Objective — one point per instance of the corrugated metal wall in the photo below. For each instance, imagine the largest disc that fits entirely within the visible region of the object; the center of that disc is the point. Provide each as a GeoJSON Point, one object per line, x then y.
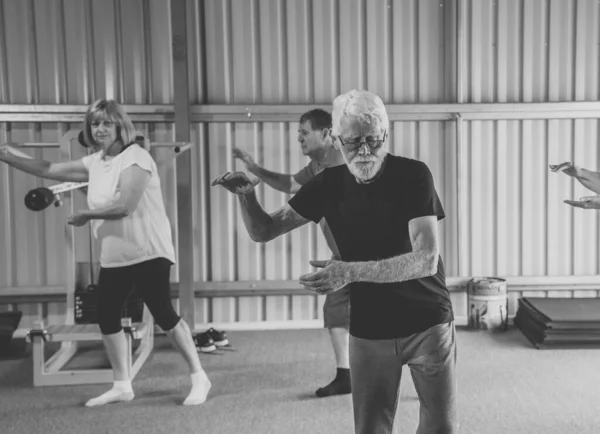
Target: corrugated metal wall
{"type": "Point", "coordinates": [531, 50]}
{"type": "Point", "coordinates": [519, 225]}
{"type": "Point", "coordinates": [306, 52]}
{"type": "Point", "coordinates": [300, 51]}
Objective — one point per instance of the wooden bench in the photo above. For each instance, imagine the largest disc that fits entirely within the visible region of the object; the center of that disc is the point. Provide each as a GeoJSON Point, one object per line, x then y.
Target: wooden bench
{"type": "Point", "coordinates": [50, 373]}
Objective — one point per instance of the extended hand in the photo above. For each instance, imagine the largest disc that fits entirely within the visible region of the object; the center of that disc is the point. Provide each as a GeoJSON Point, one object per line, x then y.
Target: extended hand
{"type": "Point", "coordinates": [77, 219]}
{"type": "Point", "coordinates": [334, 275]}
{"type": "Point", "coordinates": [4, 152]}
{"type": "Point", "coordinates": [240, 154]}
{"type": "Point", "coordinates": [569, 168]}
{"type": "Point", "coordinates": [589, 202]}
{"type": "Point", "coordinates": [235, 182]}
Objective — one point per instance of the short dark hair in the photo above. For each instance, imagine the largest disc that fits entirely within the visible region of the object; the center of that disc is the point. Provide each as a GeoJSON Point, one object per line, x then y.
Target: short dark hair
{"type": "Point", "coordinates": [319, 119]}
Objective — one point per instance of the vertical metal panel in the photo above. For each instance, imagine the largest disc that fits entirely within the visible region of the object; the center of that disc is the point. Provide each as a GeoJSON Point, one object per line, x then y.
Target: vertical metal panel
{"type": "Point", "coordinates": [218, 52]}
{"type": "Point", "coordinates": [310, 51]}
{"type": "Point", "coordinates": [532, 50]}
{"type": "Point", "coordinates": [79, 56]}
{"type": "Point", "coordinates": [303, 307]}
{"type": "Point", "coordinates": [250, 309]}
{"type": "Point", "coordinates": [378, 46]}
{"type": "Point", "coordinates": [284, 51]}
{"type": "Point", "coordinates": [534, 222]}
{"type": "Point", "coordinates": [274, 153]}
{"type": "Point", "coordinates": [481, 33]}
{"type": "Point", "coordinates": [508, 167]}
{"type": "Point", "coordinates": [481, 195]}
{"type": "Point", "coordinates": [587, 55]}
{"type": "Point", "coordinates": [585, 252]}
{"type": "Point", "coordinates": [160, 70]}
{"type": "Point", "coordinates": [508, 50]}
{"type": "Point", "coordinates": [298, 34]}
{"type": "Point", "coordinates": [325, 52]}
{"type": "Point", "coordinates": [352, 50]}
{"type": "Point", "coordinates": [405, 59]}
{"type": "Point", "coordinates": [20, 52]}
{"type": "Point", "coordinates": [4, 86]}
{"type": "Point", "coordinates": [132, 51]}
{"type": "Point", "coordinates": [74, 51]}
{"type": "Point", "coordinates": [246, 52]}
{"type": "Point", "coordinates": [559, 254]}
{"type": "Point", "coordinates": [431, 54]}
{"type": "Point", "coordinates": [273, 51]}
{"type": "Point", "coordinates": [432, 143]}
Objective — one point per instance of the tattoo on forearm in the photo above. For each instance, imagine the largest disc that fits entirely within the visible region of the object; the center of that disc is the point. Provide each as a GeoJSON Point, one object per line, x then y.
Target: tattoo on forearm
{"type": "Point", "coordinates": [263, 227]}
{"type": "Point", "coordinates": [413, 265]}
{"type": "Point", "coordinates": [255, 218]}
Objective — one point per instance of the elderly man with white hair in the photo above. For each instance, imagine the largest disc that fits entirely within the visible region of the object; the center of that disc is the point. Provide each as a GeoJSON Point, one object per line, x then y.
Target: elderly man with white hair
{"type": "Point", "coordinates": [383, 211]}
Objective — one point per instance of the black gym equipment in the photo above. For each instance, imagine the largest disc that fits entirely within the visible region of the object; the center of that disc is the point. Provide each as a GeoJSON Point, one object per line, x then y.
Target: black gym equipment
{"type": "Point", "coordinates": [560, 322]}
{"type": "Point", "coordinates": [9, 322]}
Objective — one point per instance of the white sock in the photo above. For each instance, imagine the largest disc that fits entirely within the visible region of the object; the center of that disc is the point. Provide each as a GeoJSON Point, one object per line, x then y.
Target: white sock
{"type": "Point", "coordinates": [121, 391]}
{"type": "Point", "coordinates": [200, 387]}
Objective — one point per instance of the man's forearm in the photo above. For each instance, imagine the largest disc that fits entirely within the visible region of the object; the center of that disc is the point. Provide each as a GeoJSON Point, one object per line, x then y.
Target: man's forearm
{"type": "Point", "coordinates": [414, 265]}
{"type": "Point", "coordinates": [256, 220]}
{"type": "Point", "coordinates": [590, 180]}
{"type": "Point", "coordinates": [278, 181]}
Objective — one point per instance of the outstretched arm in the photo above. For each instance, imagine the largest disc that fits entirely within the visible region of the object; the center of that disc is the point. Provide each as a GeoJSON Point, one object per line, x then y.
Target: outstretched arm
{"type": "Point", "coordinates": [589, 179]}
{"type": "Point", "coordinates": [262, 227]}
{"type": "Point", "coordinates": [279, 181]}
{"type": "Point", "coordinates": [73, 171]}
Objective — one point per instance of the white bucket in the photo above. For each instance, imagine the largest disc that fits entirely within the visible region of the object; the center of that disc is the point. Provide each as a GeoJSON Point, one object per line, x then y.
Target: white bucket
{"type": "Point", "coordinates": [488, 303]}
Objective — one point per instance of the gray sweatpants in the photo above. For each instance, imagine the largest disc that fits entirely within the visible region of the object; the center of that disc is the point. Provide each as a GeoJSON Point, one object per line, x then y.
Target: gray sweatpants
{"type": "Point", "coordinates": [376, 368]}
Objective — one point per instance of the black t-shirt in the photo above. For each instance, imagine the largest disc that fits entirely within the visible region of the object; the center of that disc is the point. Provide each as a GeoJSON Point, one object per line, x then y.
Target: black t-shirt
{"type": "Point", "coordinates": [369, 222]}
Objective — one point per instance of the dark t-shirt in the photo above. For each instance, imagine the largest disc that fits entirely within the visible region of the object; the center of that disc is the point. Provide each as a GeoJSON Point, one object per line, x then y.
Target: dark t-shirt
{"type": "Point", "coordinates": [369, 222]}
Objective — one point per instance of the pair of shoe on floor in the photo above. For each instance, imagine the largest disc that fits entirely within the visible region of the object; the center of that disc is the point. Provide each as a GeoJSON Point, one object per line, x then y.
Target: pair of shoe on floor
{"type": "Point", "coordinates": [209, 340]}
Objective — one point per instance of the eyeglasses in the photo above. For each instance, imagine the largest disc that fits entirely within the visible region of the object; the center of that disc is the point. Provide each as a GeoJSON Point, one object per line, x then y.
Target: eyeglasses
{"type": "Point", "coordinates": [357, 144]}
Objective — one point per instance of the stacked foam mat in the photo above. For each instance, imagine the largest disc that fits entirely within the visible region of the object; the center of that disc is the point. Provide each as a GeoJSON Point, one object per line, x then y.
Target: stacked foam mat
{"type": "Point", "coordinates": [560, 322]}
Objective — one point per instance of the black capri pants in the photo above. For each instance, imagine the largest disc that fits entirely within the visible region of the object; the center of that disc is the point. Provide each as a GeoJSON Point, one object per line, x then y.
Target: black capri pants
{"type": "Point", "coordinates": [152, 281]}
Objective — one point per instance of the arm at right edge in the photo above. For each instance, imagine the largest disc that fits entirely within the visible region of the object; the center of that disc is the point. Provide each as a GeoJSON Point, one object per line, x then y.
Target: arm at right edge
{"type": "Point", "coordinates": [590, 180]}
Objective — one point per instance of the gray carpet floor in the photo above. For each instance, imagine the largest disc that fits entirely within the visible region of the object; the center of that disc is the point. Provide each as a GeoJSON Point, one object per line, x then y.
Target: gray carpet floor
{"type": "Point", "coordinates": [266, 386]}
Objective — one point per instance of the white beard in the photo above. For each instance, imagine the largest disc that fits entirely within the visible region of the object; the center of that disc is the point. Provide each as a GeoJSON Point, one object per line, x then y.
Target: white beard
{"type": "Point", "coordinates": [364, 172]}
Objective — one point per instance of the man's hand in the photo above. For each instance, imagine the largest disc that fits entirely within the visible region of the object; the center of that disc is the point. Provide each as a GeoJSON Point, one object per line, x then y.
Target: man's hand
{"type": "Point", "coordinates": [334, 275]}
{"type": "Point", "coordinates": [589, 202]}
{"type": "Point", "coordinates": [235, 182]}
{"type": "Point", "coordinates": [244, 156]}
{"type": "Point", "coordinates": [569, 168]}
{"type": "Point", "coordinates": [78, 219]}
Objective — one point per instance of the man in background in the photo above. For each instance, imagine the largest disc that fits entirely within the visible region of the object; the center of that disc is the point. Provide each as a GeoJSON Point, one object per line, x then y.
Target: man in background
{"type": "Point", "coordinates": [314, 136]}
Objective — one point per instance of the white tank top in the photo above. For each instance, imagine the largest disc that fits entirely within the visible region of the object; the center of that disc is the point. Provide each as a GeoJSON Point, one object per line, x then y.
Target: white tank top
{"type": "Point", "coordinates": [143, 235]}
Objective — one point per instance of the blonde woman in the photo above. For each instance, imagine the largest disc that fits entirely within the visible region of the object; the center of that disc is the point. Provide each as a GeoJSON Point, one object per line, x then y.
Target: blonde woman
{"type": "Point", "coordinates": [128, 219]}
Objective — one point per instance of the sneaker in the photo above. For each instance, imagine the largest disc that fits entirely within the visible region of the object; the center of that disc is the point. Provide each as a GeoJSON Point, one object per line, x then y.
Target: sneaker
{"type": "Point", "coordinates": [204, 343]}
{"type": "Point", "coordinates": [219, 338]}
